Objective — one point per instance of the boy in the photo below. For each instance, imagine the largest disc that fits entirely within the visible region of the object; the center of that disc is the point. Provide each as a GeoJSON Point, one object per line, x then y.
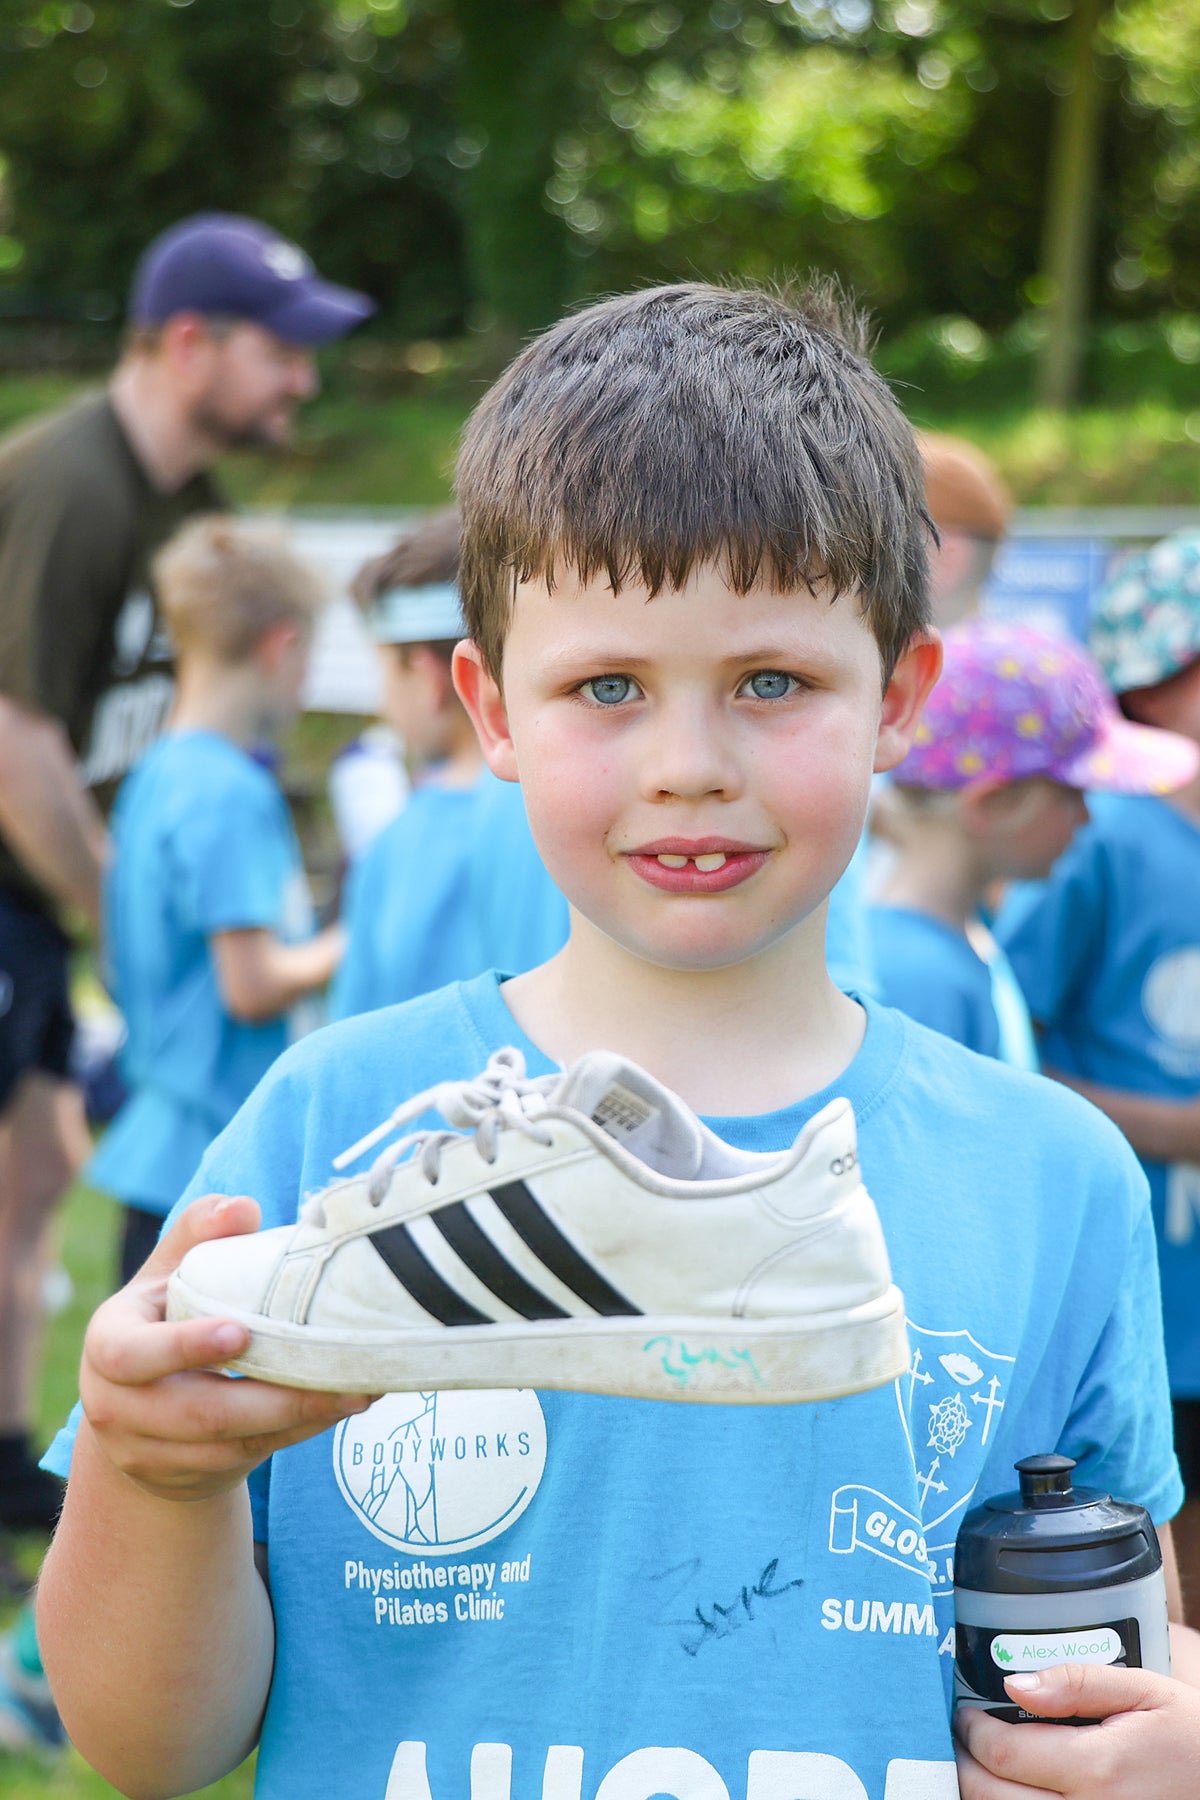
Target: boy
{"type": "Point", "coordinates": [693, 576]}
{"type": "Point", "coordinates": [454, 885]}
{"type": "Point", "coordinates": [208, 925]}
{"type": "Point", "coordinates": [1017, 727]}
{"type": "Point", "coordinates": [1108, 952]}
{"type": "Point", "coordinates": [971, 509]}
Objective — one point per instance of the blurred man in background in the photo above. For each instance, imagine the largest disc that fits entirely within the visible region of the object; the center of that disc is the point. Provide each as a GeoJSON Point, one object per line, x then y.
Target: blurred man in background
{"type": "Point", "coordinates": [224, 316]}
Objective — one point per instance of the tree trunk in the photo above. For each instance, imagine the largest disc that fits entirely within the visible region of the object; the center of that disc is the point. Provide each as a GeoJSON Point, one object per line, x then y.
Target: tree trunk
{"type": "Point", "coordinates": [516, 94]}
{"type": "Point", "coordinates": [1069, 229]}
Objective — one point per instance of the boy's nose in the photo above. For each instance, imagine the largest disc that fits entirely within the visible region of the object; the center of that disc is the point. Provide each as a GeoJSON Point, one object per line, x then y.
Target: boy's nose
{"type": "Point", "coordinates": [690, 757]}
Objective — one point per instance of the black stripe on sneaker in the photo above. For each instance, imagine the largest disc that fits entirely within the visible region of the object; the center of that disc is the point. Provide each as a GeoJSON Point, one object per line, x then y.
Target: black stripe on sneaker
{"type": "Point", "coordinates": [560, 1256]}
{"type": "Point", "coordinates": [404, 1257]}
{"type": "Point", "coordinates": [475, 1248]}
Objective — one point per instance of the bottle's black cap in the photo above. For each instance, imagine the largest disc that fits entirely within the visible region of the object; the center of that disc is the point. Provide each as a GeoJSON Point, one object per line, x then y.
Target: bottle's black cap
{"type": "Point", "coordinates": [1052, 1537]}
{"type": "Point", "coordinates": [1046, 1480]}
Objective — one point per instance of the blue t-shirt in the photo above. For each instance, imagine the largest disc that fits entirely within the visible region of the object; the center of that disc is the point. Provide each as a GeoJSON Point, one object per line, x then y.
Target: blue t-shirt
{"type": "Point", "coordinates": [451, 887]}
{"type": "Point", "coordinates": [929, 970]}
{"type": "Point", "coordinates": [617, 1598]}
{"type": "Point", "coordinates": [1108, 953]}
{"type": "Point", "coordinates": [202, 843]}
{"type": "Point", "coordinates": [957, 982]}
{"type": "Point", "coordinates": [849, 953]}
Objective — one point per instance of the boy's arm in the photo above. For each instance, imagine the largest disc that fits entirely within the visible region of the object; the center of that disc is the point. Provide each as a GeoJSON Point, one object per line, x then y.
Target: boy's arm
{"type": "Point", "coordinates": [260, 976]}
{"type": "Point", "coordinates": [154, 1627]}
{"type": "Point", "coordinates": [1165, 1131]}
{"type": "Point", "coordinates": [1146, 1745]}
{"type": "Point", "coordinates": [46, 813]}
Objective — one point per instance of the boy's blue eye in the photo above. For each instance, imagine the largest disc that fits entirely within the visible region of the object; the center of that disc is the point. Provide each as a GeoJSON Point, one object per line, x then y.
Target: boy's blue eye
{"type": "Point", "coordinates": [770, 684]}
{"type": "Point", "coordinates": [609, 690]}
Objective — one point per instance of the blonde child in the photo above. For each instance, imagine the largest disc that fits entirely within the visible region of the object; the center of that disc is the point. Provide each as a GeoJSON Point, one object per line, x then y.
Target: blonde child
{"type": "Point", "coordinates": [208, 926]}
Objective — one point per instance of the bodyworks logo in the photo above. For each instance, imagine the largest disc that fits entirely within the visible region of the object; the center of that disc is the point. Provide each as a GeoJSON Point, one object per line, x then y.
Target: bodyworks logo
{"type": "Point", "coordinates": [437, 1474]}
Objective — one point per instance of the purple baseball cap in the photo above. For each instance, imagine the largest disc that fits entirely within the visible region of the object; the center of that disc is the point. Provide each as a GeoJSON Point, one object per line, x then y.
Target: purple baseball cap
{"type": "Point", "coordinates": [224, 263]}
{"type": "Point", "coordinates": [1013, 702]}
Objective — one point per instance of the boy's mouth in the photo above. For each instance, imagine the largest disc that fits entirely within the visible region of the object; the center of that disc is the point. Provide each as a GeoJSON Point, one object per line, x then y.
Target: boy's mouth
{"type": "Point", "coordinates": [700, 868]}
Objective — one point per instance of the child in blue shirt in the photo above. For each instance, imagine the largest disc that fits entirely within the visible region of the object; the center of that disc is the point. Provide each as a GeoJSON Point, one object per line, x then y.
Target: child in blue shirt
{"type": "Point", "coordinates": [454, 885]}
{"type": "Point", "coordinates": [1017, 727]}
{"type": "Point", "coordinates": [694, 583]}
{"type": "Point", "coordinates": [1108, 954]}
{"type": "Point", "coordinates": [209, 936]}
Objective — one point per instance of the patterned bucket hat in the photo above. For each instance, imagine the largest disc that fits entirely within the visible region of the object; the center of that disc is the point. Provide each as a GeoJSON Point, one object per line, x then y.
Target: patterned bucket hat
{"type": "Point", "coordinates": [1146, 623]}
{"type": "Point", "coordinates": [1013, 702]}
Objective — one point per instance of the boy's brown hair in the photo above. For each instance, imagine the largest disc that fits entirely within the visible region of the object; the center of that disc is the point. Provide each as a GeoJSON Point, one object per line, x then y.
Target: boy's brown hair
{"type": "Point", "coordinates": [223, 585]}
{"type": "Point", "coordinates": [420, 557]}
{"type": "Point", "coordinates": [681, 425]}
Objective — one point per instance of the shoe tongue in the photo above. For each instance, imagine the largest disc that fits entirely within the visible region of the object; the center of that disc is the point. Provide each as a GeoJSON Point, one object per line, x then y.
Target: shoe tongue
{"type": "Point", "coordinates": [650, 1122]}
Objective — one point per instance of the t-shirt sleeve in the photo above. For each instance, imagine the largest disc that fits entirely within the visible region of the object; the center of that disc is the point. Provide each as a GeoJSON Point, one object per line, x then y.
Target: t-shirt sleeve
{"type": "Point", "coordinates": [61, 563]}
{"type": "Point", "coordinates": [231, 859]}
{"type": "Point", "coordinates": [1052, 931]}
{"type": "Point", "coordinates": [1120, 1427]}
{"type": "Point", "coordinates": [260, 1153]}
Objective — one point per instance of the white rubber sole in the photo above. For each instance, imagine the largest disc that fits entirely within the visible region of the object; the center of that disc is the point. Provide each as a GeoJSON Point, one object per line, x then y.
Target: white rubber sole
{"type": "Point", "coordinates": [739, 1361]}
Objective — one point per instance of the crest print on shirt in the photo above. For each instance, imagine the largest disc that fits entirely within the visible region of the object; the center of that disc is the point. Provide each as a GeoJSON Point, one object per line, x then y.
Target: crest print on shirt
{"type": "Point", "coordinates": [949, 1400]}
{"type": "Point", "coordinates": [436, 1474]}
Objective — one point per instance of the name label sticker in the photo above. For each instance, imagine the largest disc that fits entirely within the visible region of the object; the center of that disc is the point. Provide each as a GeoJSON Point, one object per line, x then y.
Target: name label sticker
{"type": "Point", "coordinates": [1020, 1653]}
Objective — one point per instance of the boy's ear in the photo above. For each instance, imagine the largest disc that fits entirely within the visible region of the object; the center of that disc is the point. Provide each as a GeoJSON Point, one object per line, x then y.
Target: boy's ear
{"type": "Point", "coordinates": [480, 693]}
{"type": "Point", "coordinates": [904, 698]}
{"type": "Point", "coordinates": [275, 643]}
{"type": "Point", "coordinates": [983, 804]}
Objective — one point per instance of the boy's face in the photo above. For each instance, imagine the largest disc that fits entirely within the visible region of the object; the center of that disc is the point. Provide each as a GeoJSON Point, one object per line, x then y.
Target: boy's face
{"type": "Point", "coordinates": [1172, 705]}
{"type": "Point", "coordinates": [695, 767]}
{"type": "Point", "coordinates": [282, 658]}
{"type": "Point", "coordinates": [417, 694]}
{"type": "Point", "coordinates": [1029, 824]}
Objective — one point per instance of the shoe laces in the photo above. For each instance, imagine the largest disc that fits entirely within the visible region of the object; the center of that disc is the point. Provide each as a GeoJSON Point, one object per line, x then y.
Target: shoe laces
{"type": "Point", "coordinates": [502, 1098]}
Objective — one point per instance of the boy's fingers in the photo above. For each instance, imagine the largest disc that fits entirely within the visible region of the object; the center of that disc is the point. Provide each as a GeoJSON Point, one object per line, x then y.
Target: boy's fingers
{"type": "Point", "coordinates": [977, 1783]}
{"type": "Point", "coordinates": [126, 1354]}
{"type": "Point", "coordinates": [1013, 1762]}
{"type": "Point", "coordinates": [212, 1216]}
{"type": "Point", "coordinates": [201, 1408]}
{"type": "Point", "coordinates": [1089, 1691]}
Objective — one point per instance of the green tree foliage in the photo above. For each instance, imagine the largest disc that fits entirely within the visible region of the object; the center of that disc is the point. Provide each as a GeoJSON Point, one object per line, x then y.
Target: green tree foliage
{"type": "Point", "coordinates": [335, 123]}
{"type": "Point", "coordinates": [466, 159]}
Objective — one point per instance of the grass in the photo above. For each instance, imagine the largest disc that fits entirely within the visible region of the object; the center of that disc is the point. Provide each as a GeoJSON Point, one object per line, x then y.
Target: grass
{"type": "Point", "coordinates": [89, 1252]}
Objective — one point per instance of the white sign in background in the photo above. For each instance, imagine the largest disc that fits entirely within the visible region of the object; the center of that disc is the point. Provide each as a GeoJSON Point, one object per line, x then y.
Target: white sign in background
{"type": "Point", "coordinates": [343, 672]}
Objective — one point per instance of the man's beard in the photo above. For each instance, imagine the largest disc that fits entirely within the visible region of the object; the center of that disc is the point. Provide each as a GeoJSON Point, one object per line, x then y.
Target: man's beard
{"type": "Point", "coordinates": [239, 434]}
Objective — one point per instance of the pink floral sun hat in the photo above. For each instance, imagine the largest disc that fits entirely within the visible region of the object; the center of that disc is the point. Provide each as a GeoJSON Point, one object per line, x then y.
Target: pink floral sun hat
{"type": "Point", "coordinates": [1013, 702]}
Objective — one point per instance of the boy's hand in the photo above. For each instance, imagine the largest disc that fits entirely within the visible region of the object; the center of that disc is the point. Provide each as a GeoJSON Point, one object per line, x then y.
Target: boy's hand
{"type": "Point", "coordinates": [158, 1412]}
{"type": "Point", "coordinates": [1147, 1746]}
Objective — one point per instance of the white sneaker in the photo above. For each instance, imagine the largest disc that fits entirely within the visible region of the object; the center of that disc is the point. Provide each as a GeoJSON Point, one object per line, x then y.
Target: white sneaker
{"type": "Point", "coordinates": [589, 1232]}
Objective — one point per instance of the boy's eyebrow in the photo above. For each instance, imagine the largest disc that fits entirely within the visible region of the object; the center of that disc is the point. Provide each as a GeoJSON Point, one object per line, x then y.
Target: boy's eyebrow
{"type": "Point", "coordinates": [610, 656]}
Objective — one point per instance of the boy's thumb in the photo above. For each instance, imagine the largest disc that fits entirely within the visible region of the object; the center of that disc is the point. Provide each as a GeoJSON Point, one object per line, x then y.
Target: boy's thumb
{"type": "Point", "coordinates": [212, 1216]}
{"type": "Point", "coordinates": [1088, 1691]}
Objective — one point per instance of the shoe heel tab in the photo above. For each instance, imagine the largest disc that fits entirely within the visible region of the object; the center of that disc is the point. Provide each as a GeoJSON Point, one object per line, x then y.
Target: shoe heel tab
{"type": "Point", "coordinates": [836, 1129]}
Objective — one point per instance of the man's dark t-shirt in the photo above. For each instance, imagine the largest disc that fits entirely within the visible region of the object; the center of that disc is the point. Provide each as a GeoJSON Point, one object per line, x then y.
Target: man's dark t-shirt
{"type": "Point", "coordinates": [80, 636]}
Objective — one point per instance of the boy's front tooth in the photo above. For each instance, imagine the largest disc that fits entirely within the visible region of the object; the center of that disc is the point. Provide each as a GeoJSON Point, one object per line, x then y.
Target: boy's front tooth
{"type": "Point", "coordinates": [716, 860]}
{"type": "Point", "coordinates": [675, 862]}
